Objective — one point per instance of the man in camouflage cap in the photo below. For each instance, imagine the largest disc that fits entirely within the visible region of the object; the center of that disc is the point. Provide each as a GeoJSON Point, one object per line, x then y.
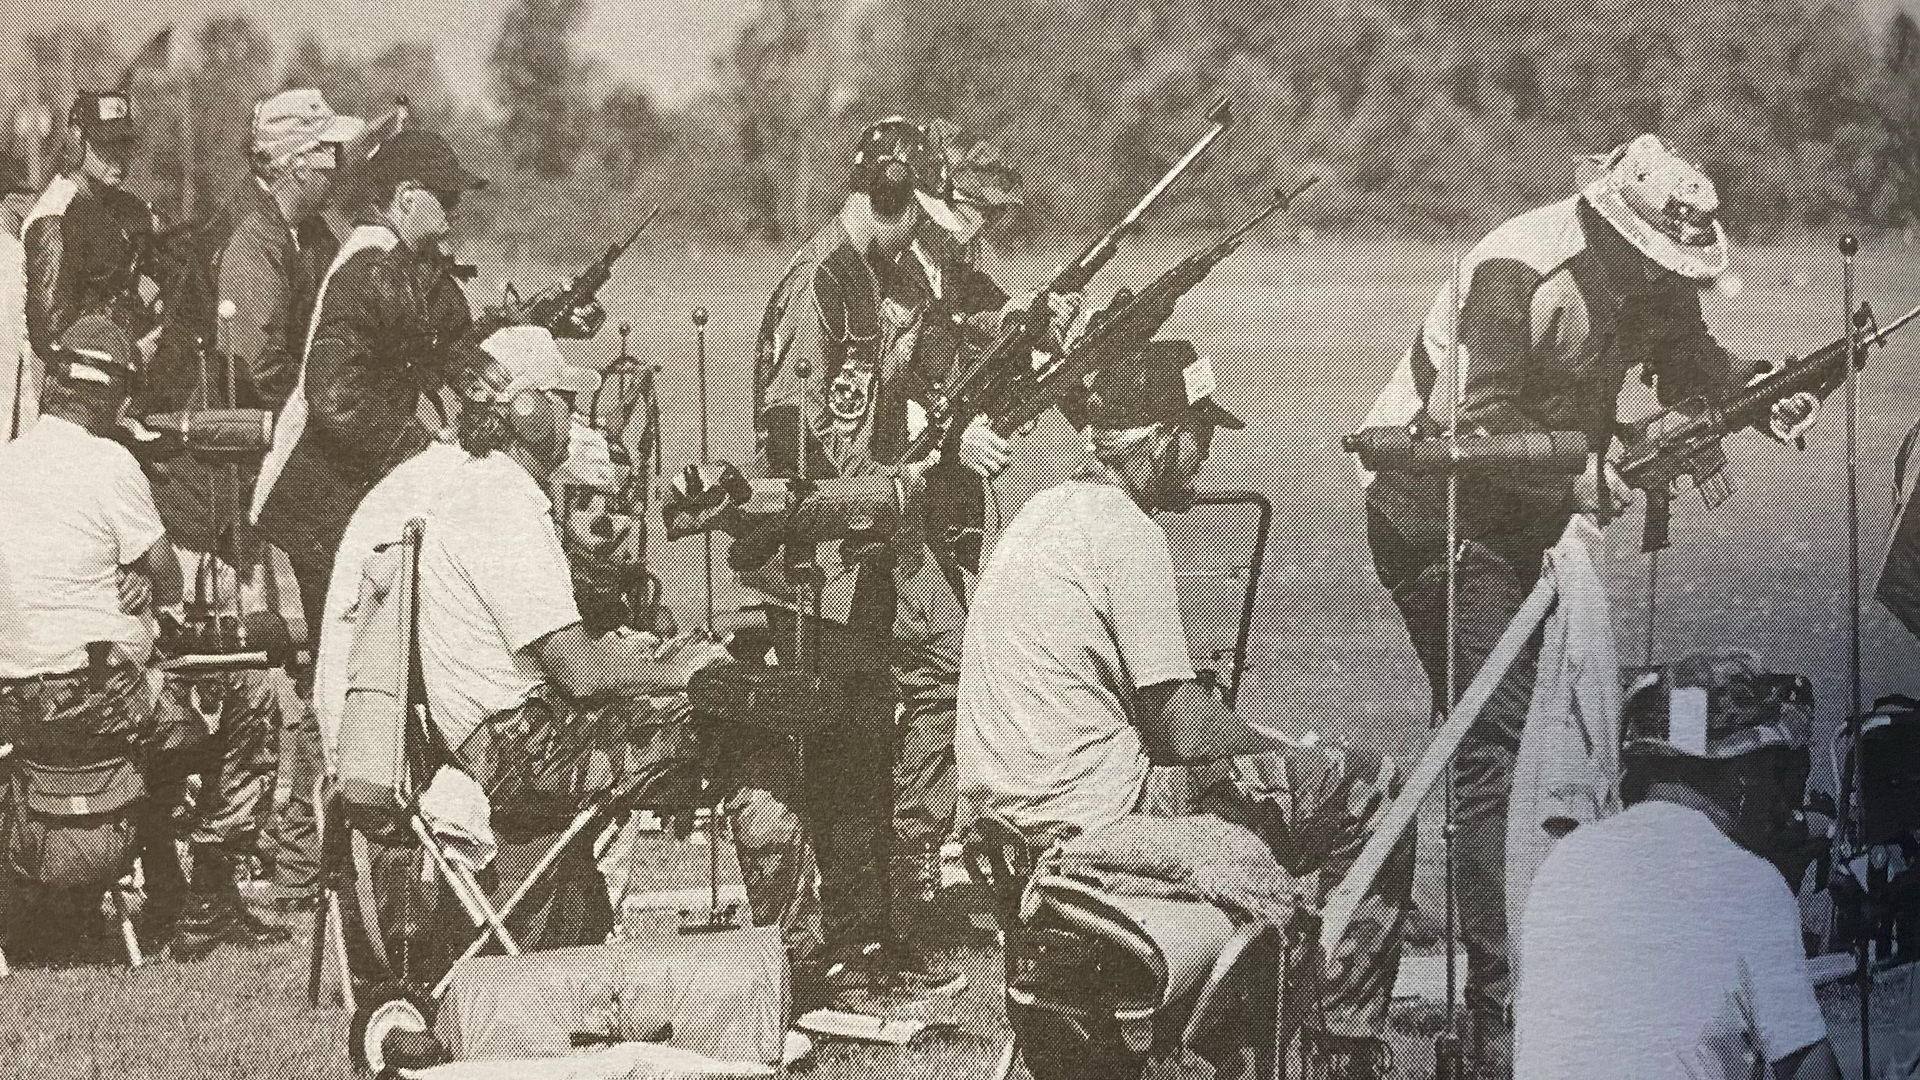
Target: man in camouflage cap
{"type": "Point", "coordinates": [1664, 941]}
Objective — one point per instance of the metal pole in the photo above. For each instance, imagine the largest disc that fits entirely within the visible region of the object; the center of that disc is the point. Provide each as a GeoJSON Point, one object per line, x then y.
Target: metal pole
{"type": "Point", "coordinates": [1448, 1064]}
{"type": "Point", "coordinates": [1851, 323]}
{"type": "Point", "coordinates": [700, 353]}
{"type": "Point", "coordinates": [1653, 603]}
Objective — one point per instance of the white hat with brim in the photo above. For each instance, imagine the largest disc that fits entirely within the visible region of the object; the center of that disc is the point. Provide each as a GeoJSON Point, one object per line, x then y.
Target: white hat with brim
{"type": "Point", "coordinates": [1665, 206]}
{"type": "Point", "coordinates": [295, 121]}
{"type": "Point", "coordinates": [531, 360]}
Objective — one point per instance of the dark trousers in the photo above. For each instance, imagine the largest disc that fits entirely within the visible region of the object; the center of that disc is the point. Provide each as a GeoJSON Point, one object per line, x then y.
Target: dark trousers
{"type": "Point", "coordinates": [294, 840]}
{"type": "Point", "coordinates": [811, 816]}
{"type": "Point", "coordinates": [1493, 579]}
{"type": "Point", "coordinates": [926, 675]}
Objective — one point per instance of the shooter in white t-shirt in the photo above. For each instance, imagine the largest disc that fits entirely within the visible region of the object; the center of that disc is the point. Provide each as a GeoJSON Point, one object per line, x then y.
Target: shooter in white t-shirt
{"type": "Point", "coordinates": [1661, 943]}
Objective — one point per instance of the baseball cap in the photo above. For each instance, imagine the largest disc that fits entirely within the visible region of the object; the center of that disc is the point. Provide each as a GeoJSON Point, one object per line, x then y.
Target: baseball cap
{"type": "Point", "coordinates": [520, 358]}
{"type": "Point", "coordinates": [1167, 380]}
{"type": "Point", "coordinates": [1664, 205]}
{"type": "Point", "coordinates": [418, 155]}
{"type": "Point", "coordinates": [96, 350]}
{"type": "Point", "coordinates": [295, 121]}
{"type": "Point", "coordinates": [898, 151]}
{"type": "Point", "coordinates": [1714, 706]}
{"type": "Point", "coordinates": [105, 116]}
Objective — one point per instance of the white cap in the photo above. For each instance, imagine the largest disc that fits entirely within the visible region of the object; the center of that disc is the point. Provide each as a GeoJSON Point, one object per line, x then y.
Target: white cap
{"type": "Point", "coordinates": [532, 360]}
{"type": "Point", "coordinates": [293, 122]}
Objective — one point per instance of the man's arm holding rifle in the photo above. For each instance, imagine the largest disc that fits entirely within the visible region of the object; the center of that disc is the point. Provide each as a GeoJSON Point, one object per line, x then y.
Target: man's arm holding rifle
{"type": "Point", "coordinates": [954, 407]}
{"type": "Point", "coordinates": [1684, 440]}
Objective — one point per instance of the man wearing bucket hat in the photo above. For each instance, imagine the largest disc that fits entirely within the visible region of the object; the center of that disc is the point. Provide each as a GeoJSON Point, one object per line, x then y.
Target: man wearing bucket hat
{"type": "Point", "coordinates": [1664, 941]}
{"type": "Point", "coordinates": [242, 282]}
{"type": "Point", "coordinates": [1553, 308]}
{"type": "Point", "coordinates": [844, 350]}
{"type": "Point", "coordinates": [1076, 680]}
{"type": "Point", "coordinates": [89, 241]}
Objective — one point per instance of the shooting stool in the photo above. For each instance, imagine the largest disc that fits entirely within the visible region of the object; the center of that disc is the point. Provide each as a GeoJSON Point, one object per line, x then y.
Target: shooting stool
{"type": "Point", "coordinates": [1174, 976]}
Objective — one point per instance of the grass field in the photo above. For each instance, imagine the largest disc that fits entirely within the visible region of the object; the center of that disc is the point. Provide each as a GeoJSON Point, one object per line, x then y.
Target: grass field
{"type": "Point", "coordinates": [1303, 337]}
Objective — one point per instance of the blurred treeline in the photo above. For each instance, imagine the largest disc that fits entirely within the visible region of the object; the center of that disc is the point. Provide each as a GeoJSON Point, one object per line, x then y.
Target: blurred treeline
{"type": "Point", "coordinates": [1423, 117]}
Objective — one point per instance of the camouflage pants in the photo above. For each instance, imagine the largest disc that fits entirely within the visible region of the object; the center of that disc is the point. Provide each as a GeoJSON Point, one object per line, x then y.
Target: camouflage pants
{"type": "Point", "coordinates": [1315, 806]}
{"type": "Point", "coordinates": [238, 763]}
{"type": "Point", "coordinates": [75, 719]}
{"type": "Point", "coordinates": [810, 815]}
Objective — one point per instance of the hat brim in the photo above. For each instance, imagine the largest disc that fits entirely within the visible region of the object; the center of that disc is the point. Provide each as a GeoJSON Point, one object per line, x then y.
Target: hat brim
{"type": "Point", "coordinates": [578, 381]}
{"type": "Point", "coordinates": [1702, 263]}
{"type": "Point", "coordinates": [109, 133]}
{"type": "Point", "coordinates": [1747, 740]}
{"type": "Point", "coordinates": [942, 214]}
{"type": "Point", "coordinates": [342, 129]}
{"type": "Point", "coordinates": [1216, 414]}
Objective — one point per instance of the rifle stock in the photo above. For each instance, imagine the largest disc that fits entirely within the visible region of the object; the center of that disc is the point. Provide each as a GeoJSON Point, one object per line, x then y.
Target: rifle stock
{"type": "Point", "coordinates": [1656, 456]}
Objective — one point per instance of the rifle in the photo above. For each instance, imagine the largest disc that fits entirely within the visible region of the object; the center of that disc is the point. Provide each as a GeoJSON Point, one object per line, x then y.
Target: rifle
{"type": "Point", "coordinates": [954, 405]}
{"type": "Point", "coordinates": [1684, 440]}
{"type": "Point", "coordinates": [1125, 325]}
{"type": "Point", "coordinates": [570, 309]}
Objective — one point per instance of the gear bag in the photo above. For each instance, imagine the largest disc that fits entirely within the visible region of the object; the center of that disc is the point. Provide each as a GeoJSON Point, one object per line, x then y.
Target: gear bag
{"type": "Point", "coordinates": [385, 734]}
{"type": "Point", "coordinates": [71, 827]}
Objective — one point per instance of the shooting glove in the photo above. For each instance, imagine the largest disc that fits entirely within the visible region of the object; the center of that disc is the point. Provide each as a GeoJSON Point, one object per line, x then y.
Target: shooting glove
{"type": "Point", "coordinates": [704, 498]}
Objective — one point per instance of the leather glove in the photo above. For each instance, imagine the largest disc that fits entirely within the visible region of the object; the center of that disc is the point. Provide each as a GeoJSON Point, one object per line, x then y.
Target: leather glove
{"type": "Point", "coordinates": [704, 498]}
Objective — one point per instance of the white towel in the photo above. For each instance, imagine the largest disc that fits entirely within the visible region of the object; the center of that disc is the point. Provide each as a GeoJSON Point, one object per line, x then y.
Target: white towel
{"type": "Point", "coordinates": [457, 812]}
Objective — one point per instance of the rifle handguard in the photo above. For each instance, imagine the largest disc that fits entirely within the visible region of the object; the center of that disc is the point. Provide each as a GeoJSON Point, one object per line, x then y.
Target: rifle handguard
{"type": "Point", "coordinates": [1398, 449]}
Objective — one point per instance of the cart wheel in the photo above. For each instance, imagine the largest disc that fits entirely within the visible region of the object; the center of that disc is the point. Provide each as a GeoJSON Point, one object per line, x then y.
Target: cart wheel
{"type": "Point", "coordinates": [383, 1012]}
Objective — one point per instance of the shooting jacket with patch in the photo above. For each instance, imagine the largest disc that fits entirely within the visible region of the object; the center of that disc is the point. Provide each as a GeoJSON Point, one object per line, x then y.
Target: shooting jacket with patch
{"type": "Point", "coordinates": [379, 331]}
{"type": "Point", "coordinates": [867, 329]}
{"type": "Point", "coordinates": [86, 253]}
{"type": "Point", "coordinates": [1549, 326]}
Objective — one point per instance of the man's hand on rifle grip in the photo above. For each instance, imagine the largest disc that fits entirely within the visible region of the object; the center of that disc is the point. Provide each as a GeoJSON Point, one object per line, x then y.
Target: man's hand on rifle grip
{"type": "Point", "coordinates": [983, 449]}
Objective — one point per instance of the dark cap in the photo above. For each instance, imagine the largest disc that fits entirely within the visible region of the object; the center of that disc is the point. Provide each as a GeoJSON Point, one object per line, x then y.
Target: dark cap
{"type": "Point", "coordinates": [96, 351]}
{"type": "Point", "coordinates": [104, 116]}
{"type": "Point", "coordinates": [896, 156]}
{"type": "Point", "coordinates": [414, 154]}
{"type": "Point", "coordinates": [1167, 380]}
{"type": "Point", "coordinates": [1714, 706]}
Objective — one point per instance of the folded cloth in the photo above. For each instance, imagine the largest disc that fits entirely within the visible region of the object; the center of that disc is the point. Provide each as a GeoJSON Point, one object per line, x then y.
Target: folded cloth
{"type": "Point", "coordinates": [457, 812]}
{"type": "Point", "coordinates": [1188, 857]}
{"type": "Point", "coordinates": [624, 1061]}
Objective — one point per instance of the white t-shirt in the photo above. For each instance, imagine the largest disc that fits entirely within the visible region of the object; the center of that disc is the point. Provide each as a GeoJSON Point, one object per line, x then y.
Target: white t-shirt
{"type": "Point", "coordinates": [74, 509]}
{"type": "Point", "coordinates": [402, 495]}
{"type": "Point", "coordinates": [493, 580]}
{"type": "Point", "coordinates": [1077, 608]}
{"type": "Point", "coordinates": [19, 395]}
{"type": "Point", "coordinates": [1655, 947]}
